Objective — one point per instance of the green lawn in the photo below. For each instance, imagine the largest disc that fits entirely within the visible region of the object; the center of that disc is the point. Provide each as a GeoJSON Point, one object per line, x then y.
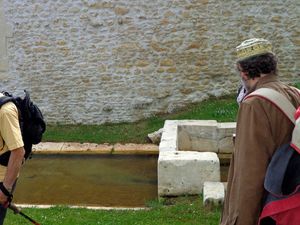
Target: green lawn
{"type": "Point", "coordinates": [222, 110]}
{"type": "Point", "coordinates": [179, 211]}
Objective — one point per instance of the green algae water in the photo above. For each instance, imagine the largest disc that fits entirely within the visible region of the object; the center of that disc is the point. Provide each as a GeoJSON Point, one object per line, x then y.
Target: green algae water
{"type": "Point", "coordinates": [88, 180]}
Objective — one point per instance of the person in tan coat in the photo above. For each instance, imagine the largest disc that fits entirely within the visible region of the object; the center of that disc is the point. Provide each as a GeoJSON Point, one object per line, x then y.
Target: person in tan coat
{"type": "Point", "coordinates": [261, 129]}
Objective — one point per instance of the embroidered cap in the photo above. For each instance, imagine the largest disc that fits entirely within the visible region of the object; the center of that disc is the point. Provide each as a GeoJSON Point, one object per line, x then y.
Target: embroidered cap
{"type": "Point", "coordinates": [253, 47]}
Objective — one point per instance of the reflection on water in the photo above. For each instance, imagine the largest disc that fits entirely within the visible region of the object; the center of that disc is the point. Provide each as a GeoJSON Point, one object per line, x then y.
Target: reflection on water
{"type": "Point", "coordinates": [224, 167]}
{"type": "Point", "coordinates": [224, 172]}
{"type": "Point", "coordinates": [88, 179]}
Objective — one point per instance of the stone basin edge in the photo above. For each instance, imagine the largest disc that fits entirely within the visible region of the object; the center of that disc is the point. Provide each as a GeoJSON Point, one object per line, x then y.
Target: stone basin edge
{"type": "Point", "coordinates": [105, 148]}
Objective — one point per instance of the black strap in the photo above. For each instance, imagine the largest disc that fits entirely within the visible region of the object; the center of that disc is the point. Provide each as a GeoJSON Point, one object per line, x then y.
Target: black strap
{"type": "Point", "coordinates": [6, 192]}
{"type": "Point", "coordinates": [5, 156]}
{"type": "Point", "coordinates": [4, 99]}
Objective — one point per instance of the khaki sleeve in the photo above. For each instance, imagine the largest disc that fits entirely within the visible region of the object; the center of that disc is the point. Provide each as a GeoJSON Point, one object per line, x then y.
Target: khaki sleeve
{"type": "Point", "coordinates": [255, 145]}
{"type": "Point", "coordinates": [10, 127]}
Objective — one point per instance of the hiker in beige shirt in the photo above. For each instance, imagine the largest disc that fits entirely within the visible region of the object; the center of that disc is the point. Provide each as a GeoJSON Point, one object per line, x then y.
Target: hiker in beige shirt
{"type": "Point", "coordinates": [10, 140]}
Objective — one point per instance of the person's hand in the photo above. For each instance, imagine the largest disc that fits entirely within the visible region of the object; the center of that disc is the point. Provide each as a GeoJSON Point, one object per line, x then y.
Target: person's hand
{"type": "Point", "coordinates": [3, 198]}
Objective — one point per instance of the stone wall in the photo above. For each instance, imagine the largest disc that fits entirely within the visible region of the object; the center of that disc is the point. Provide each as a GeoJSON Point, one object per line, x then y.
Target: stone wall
{"type": "Point", "coordinates": [97, 61]}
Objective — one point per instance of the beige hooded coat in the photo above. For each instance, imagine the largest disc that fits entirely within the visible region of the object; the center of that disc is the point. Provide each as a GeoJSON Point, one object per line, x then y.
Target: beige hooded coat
{"type": "Point", "coordinates": [261, 129]}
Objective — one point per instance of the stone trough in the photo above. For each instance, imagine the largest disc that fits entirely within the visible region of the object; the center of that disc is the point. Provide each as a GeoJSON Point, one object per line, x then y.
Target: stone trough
{"type": "Point", "coordinates": [188, 157]}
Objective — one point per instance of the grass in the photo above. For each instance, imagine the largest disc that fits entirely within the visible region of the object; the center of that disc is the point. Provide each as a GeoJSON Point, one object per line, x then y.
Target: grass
{"type": "Point", "coordinates": [222, 110]}
{"type": "Point", "coordinates": [176, 211]}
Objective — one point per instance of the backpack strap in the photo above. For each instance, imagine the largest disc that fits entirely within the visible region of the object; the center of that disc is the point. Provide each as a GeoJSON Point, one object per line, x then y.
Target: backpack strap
{"type": "Point", "coordinates": [4, 99]}
{"type": "Point", "coordinates": [277, 99]}
{"type": "Point", "coordinates": [284, 105]}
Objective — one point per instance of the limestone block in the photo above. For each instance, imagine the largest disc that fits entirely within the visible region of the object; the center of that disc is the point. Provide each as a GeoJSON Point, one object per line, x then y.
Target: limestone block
{"type": "Point", "coordinates": [167, 145]}
{"type": "Point", "coordinates": [99, 5]}
{"type": "Point", "coordinates": [121, 10]}
{"type": "Point", "coordinates": [198, 136]}
{"type": "Point", "coordinates": [167, 62]}
{"type": "Point", "coordinates": [157, 47]}
{"type": "Point", "coordinates": [225, 145]}
{"type": "Point", "coordinates": [163, 94]}
{"type": "Point", "coordinates": [184, 140]}
{"type": "Point", "coordinates": [48, 147]}
{"type": "Point", "coordinates": [160, 70]}
{"type": "Point", "coordinates": [170, 129]}
{"type": "Point", "coordinates": [193, 46]}
{"type": "Point", "coordinates": [169, 136]}
{"type": "Point", "coordinates": [225, 132]}
{"type": "Point", "coordinates": [142, 102]}
{"type": "Point", "coordinates": [74, 147]}
{"type": "Point", "coordinates": [181, 173]}
{"type": "Point", "coordinates": [155, 137]}
{"type": "Point", "coordinates": [135, 149]}
{"type": "Point", "coordinates": [213, 193]}
{"type": "Point", "coordinates": [172, 70]}
{"type": "Point", "coordinates": [142, 63]}
{"type": "Point", "coordinates": [100, 148]}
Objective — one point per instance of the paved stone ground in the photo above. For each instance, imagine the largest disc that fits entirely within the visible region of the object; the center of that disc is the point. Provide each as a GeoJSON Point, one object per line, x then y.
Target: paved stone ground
{"type": "Point", "coordinates": [73, 147]}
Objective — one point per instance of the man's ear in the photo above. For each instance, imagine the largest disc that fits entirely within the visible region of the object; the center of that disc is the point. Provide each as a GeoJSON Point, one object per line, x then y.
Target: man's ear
{"type": "Point", "coordinates": [245, 76]}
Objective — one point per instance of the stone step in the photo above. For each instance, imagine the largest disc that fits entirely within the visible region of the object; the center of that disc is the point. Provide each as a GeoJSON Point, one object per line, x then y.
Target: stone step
{"type": "Point", "coordinates": [213, 193]}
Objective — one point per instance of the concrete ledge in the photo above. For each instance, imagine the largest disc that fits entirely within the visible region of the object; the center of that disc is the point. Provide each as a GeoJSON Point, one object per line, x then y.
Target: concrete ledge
{"type": "Point", "coordinates": [81, 207]}
{"type": "Point", "coordinates": [47, 146]}
{"type": "Point", "coordinates": [213, 193]}
{"type": "Point", "coordinates": [135, 149]}
{"type": "Point", "coordinates": [168, 140]}
{"type": "Point", "coordinates": [197, 135]}
{"type": "Point", "coordinates": [181, 173]}
{"type": "Point", "coordinates": [187, 154]}
{"type": "Point", "coordinates": [86, 147]}
{"type": "Point", "coordinates": [73, 147]}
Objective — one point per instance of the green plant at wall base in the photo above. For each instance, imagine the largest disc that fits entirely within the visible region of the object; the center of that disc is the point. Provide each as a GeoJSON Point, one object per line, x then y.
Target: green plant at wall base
{"type": "Point", "coordinates": [222, 109]}
{"type": "Point", "coordinates": [179, 211]}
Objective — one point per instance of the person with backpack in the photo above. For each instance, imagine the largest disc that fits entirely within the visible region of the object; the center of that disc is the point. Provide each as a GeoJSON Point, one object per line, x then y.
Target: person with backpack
{"type": "Point", "coordinates": [21, 125]}
{"type": "Point", "coordinates": [261, 129]}
{"type": "Point", "coordinates": [10, 140]}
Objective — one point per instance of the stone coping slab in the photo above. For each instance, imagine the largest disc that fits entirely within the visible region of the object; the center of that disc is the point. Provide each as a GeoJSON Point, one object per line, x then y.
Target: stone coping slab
{"type": "Point", "coordinates": [22, 206]}
{"type": "Point", "coordinates": [197, 135]}
{"type": "Point", "coordinates": [188, 155]}
{"type": "Point", "coordinates": [74, 147]}
{"type": "Point", "coordinates": [135, 149]}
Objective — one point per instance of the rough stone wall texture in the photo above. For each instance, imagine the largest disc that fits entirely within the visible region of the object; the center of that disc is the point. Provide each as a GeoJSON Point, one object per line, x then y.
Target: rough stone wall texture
{"type": "Point", "coordinates": [97, 61]}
